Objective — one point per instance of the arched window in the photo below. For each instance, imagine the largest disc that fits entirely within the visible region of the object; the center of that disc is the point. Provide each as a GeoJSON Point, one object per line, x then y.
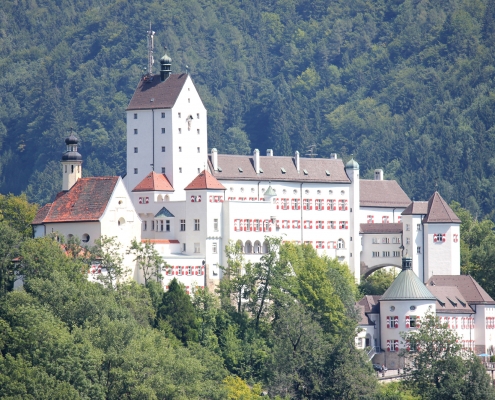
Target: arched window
{"type": "Point", "coordinates": [265, 247]}
{"type": "Point", "coordinates": [249, 247]}
{"type": "Point", "coordinates": [257, 247]}
{"type": "Point", "coordinates": [85, 238]}
{"type": "Point", "coordinates": [167, 198]}
{"type": "Point", "coordinates": [121, 221]}
{"type": "Point", "coordinates": [159, 198]}
{"type": "Point", "coordinates": [341, 244]}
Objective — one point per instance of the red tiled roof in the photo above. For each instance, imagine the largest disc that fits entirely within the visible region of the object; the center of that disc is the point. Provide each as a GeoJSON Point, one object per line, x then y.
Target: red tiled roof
{"type": "Point", "coordinates": [160, 241]}
{"type": "Point", "coordinates": [157, 94]}
{"type": "Point", "coordinates": [469, 288]}
{"type": "Point", "coordinates": [381, 228]}
{"type": "Point", "coordinates": [416, 208]}
{"type": "Point", "coordinates": [154, 182]}
{"type": "Point", "coordinates": [450, 300]}
{"type": "Point", "coordinates": [274, 166]}
{"type": "Point", "coordinates": [439, 211]}
{"type": "Point", "coordinates": [205, 180]}
{"type": "Point", "coordinates": [375, 193]}
{"type": "Point", "coordinates": [85, 201]}
{"type": "Point", "coordinates": [41, 214]}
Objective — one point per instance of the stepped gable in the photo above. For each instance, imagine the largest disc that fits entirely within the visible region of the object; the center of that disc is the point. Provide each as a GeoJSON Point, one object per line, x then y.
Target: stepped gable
{"type": "Point", "coordinates": [236, 167]}
{"type": "Point", "coordinates": [85, 201]}
{"type": "Point", "coordinates": [407, 286]}
{"type": "Point", "coordinates": [439, 211]}
{"type": "Point", "coordinates": [469, 288]}
{"type": "Point", "coordinates": [156, 93]}
{"type": "Point", "coordinates": [154, 182]}
{"type": "Point", "coordinates": [380, 228]}
{"type": "Point", "coordinates": [450, 300]}
{"type": "Point", "coordinates": [379, 193]}
{"type": "Point", "coordinates": [205, 180]}
{"type": "Point", "coordinates": [416, 208]}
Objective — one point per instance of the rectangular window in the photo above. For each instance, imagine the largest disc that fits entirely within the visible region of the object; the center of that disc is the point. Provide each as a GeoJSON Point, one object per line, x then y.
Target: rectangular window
{"type": "Point", "coordinates": [396, 254]}
{"type": "Point", "coordinates": [196, 224]}
{"type": "Point", "coordinates": [307, 204]}
{"type": "Point", "coordinates": [319, 204]}
{"type": "Point", "coordinates": [342, 205]}
{"type": "Point", "coordinates": [332, 245]}
{"type": "Point", "coordinates": [135, 131]}
{"type": "Point", "coordinates": [197, 116]}
{"type": "Point", "coordinates": [180, 130]}
{"type": "Point", "coordinates": [199, 151]}
{"type": "Point", "coordinates": [285, 204]}
{"type": "Point", "coordinates": [135, 116]}
{"type": "Point", "coordinates": [182, 225]}
{"type": "Point", "coordinates": [396, 240]}
{"type": "Point", "coordinates": [215, 225]}
{"type": "Point", "coordinates": [332, 225]}
{"type": "Point", "coordinates": [161, 225]}
{"type": "Point", "coordinates": [178, 115]}
{"type": "Point", "coordinates": [407, 227]}
{"type": "Point", "coordinates": [385, 219]}
{"type": "Point", "coordinates": [180, 268]}
{"type": "Point", "coordinates": [197, 130]}
{"type": "Point", "coordinates": [163, 130]}
{"type": "Point", "coordinates": [331, 205]}
{"type": "Point", "coordinates": [386, 254]}
{"type": "Point", "coordinates": [163, 115]}
{"type": "Point", "coordinates": [163, 170]}
{"type": "Point", "coordinates": [392, 322]}
{"type": "Point", "coordinates": [320, 225]}
{"type": "Point", "coordinates": [385, 240]}
{"type": "Point", "coordinates": [135, 170]}
{"type": "Point", "coordinates": [163, 149]}
{"type": "Point", "coordinates": [418, 227]}
{"type": "Point", "coordinates": [343, 225]}
{"type": "Point", "coordinates": [214, 248]}
{"type": "Point", "coordinates": [320, 245]}
{"type": "Point", "coordinates": [370, 219]}
{"type": "Point", "coordinates": [135, 149]}
{"type": "Point", "coordinates": [374, 240]}
{"type": "Point", "coordinates": [180, 170]}
{"type": "Point", "coordinates": [418, 250]}
{"type": "Point", "coordinates": [167, 225]}
{"type": "Point", "coordinates": [183, 247]}
{"type": "Point", "coordinates": [408, 241]}
{"type": "Point", "coordinates": [145, 225]}
{"type": "Point", "coordinates": [153, 225]}
{"type": "Point", "coordinates": [180, 149]}
{"type": "Point", "coordinates": [197, 248]}
{"type": "Point", "coordinates": [375, 254]}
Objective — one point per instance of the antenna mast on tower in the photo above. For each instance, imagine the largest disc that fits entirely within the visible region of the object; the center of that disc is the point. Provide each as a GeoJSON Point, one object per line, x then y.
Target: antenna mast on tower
{"type": "Point", "coordinates": [150, 52]}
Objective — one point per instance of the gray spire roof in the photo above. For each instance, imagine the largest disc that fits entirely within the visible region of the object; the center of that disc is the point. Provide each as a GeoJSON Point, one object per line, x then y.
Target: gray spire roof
{"type": "Point", "coordinates": [407, 286]}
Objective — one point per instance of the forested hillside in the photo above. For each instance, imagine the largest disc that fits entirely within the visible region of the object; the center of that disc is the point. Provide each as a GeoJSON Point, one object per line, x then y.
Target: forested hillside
{"type": "Point", "coordinates": [403, 85]}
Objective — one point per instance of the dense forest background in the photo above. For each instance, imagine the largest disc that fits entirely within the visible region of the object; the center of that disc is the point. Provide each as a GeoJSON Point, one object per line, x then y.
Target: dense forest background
{"type": "Point", "coordinates": [403, 85]}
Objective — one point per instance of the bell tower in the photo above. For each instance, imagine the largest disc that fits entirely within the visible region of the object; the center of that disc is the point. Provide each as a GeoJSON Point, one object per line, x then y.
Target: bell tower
{"type": "Point", "coordinates": [71, 163]}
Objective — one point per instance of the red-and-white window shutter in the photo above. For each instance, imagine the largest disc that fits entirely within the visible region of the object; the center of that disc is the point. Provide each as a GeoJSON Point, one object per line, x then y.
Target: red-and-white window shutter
{"type": "Point", "coordinates": [147, 200]}
{"type": "Point", "coordinates": [193, 199]}
{"type": "Point", "coordinates": [277, 202]}
{"type": "Point", "coordinates": [396, 345]}
{"type": "Point", "coordinates": [198, 199]}
{"type": "Point", "coordinates": [140, 200]}
{"type": "Point", "coordinates": [388, 344]}
{"type": "Point", "coordinates": [211, 199]}
{"type": "Point", "coordinates": [346, 225]}
{"type": "Point", "coordinates": [388, 322]}
{"type": "Point", "coordinates": [418, 322]}
{"type": "Point", "coordinates": [408, 322]}
{"type": "Point", "coordinates": [396, 322]}
{"type": "Point", "coordinates": [455, 237]}
{"type": "Point", "coordinates": [444, 238]}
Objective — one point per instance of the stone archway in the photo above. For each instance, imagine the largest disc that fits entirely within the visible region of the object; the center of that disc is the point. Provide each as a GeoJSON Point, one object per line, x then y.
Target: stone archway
{"type": "Point", "coordinates": [368, 270]}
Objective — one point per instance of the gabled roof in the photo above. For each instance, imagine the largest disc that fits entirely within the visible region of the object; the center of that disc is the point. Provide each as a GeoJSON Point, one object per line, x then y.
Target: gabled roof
{"type": "Point", "coordinates": [407, 286]}
{"type": "Point", "coordinates": [439, 211]}
{"type": "Point", "coordinates": [450, 300]}
{"type": "Point", "coordinates": [157, 94]}
{"type": "Point", "coordinates": [370, 303]}
{"type": "Point", "coordinates": [205, 180]}
{"type": "Point", "coordinates": [469, 288]}
{"type": "Point", "coordinates": [85, 201]}
{"type": "Point", "coordinates": [376, 193]}
{"type": "Point", "coordinates": [381, 228]}
{"type": "Point", "coordinates": [164, 213]}
{"type": "Point", "coordinates": [277, 168]}
{"type": "Point", "coordinates": [154, 182]}
{"type": "Point", "coordinates": [416, 208]}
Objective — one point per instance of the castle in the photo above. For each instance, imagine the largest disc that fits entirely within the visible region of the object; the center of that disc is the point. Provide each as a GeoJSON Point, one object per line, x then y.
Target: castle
{"type": "Point", "coordinates": [190, 203]}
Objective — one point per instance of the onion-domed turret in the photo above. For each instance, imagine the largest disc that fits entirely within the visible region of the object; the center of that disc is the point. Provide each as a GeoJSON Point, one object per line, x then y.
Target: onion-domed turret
{"type": "Point", "coordinates": [71, 154]}
{"type": "Point", "coordinates": [71, 162]}
{"type": "Point", "coordinates": [165, 67]}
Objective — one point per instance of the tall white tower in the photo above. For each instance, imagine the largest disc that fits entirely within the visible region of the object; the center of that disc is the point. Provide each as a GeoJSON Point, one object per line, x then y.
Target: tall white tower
{"type": "Point", "coordinates": [352, 170]}
{"type": "Point", "coordinates": [71, 163]}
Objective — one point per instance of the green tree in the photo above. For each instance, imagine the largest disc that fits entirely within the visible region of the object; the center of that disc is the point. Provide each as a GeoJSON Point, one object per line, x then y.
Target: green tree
{"type": "Point", "coordinates": [107, 252]}
{"type": "Point", "coordinates": [18, 213]}
{"type": "Point", "coordinates": [177, 310]}
{"type": "Point", "coordinates": [377, 283]}
{"type": "Point", "coordinates": [10, 241]}
{"type": "Point", "coordinates": [148, 259]}
{"type": "Point", "coordinates": [440, 368]}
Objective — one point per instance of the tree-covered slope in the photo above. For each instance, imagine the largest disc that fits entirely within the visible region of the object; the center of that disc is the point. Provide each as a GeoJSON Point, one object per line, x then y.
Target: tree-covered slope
{"type": "Point", "coordinates": [403, 85]}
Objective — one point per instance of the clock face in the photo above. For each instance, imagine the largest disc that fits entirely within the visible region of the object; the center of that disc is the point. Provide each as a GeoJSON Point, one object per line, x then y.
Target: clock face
{"type": "Point", "coordinates": [392, 308]}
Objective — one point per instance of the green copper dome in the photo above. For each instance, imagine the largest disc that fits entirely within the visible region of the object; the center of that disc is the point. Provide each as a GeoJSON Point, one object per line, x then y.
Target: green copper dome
{"type": "Point", "coordinates": [352, 164]}
{"type": "Point", "coordinates": [165, 59]}
{"type": "Point", "coordinates": [407, 286]}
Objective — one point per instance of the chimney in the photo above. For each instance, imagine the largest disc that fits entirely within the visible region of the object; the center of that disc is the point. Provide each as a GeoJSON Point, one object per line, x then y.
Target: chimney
{"type": "Point", "coordinates": [214, 159]}
{"type": "Point", "coordinates": [333, 156]}
{"type": "Point", "coordinates": [269, 153]}
{"type": "Point", "coordinates": [256, 156]}
{"type": "Point", "coordinates": [378, 174]}
{"type": "Point", "coordinates": [297, 161]}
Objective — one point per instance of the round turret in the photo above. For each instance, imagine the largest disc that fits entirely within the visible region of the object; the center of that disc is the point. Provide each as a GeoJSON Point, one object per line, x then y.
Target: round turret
{"type": "Point", "coordinates": [165, 67]}
{"type": "Point", "coordinates": [352, 164]}
{"type": "Point", "coordinates": [71, 154]}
